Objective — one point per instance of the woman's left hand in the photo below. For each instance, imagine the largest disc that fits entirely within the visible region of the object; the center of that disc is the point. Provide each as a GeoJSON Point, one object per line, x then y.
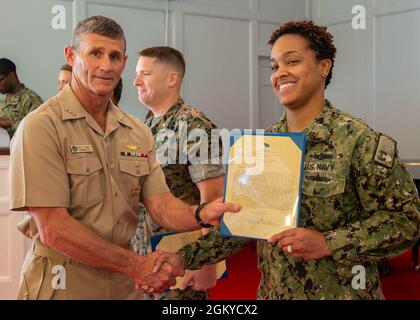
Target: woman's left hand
{"type": "Point", "coordinates": [302, 243]}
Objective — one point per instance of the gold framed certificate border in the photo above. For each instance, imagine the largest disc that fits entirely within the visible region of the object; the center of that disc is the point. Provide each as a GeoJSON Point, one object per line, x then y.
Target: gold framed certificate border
{"type": "Point", "coordinates": [231, 224]}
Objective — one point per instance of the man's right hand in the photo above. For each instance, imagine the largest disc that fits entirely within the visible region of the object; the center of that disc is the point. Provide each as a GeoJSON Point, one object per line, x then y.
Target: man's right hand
{"type": "Point", "coordinates": [158, 271]}
{"type": "Point", "coordinates": [213, 212]}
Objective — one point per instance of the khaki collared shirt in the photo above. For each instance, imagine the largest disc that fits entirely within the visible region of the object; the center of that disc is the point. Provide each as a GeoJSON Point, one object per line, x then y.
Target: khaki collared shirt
{"type": "Point", "coordinates": [60, 157]}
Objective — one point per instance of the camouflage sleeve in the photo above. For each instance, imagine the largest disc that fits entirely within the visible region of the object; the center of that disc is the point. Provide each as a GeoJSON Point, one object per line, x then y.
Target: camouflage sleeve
{"type": "Point", "coordinates": [9, 111]}
{"type": "Point", "coordinates": [200, 149]}
{"type": "Point", "coordinates": [210, 249]}
{"type": "Point", "coordinates": [16, 120]}
{"type": "Point", "coordinates": [28, 103]}
{"type": "Point", "coordinates": [35, 102]}
{"type": "Point", "coordinates": [389, 215]}
{"type": "Point", "coordinates": [200, 172]}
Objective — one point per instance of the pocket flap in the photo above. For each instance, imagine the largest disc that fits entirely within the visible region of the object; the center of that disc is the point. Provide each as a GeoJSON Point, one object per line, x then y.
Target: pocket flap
{"type": "Point", "coordinates": [136, 167]}
{"type": "Point", "coordinates": [323, 189]}
{"type": "Point", "coordinates": [83, 166]}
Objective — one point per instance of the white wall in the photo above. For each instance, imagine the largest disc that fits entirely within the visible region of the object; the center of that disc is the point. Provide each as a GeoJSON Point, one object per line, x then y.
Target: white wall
{"type": "Point", "coordinates": [377, 72]}
{"type": "Point", "coordinates": [222, 41]}
{"type": "Point", "coordinates": [12, 245]}
{"type": "Point", "coordinates": [269, 104]}
{"type": "Point", "coordinates": [27, 38]}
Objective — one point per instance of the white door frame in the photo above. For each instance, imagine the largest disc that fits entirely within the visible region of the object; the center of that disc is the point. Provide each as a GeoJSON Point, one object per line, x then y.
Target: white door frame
{"type": "Point", "coordinates": [12, 242]}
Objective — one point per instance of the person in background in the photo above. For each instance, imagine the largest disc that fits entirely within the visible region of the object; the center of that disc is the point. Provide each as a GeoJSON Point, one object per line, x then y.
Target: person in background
{"type": "Point", "coordinates": [116, 96]}
{"type": "Point", "coordinates": [159, 74]}
{"type": "Point", "coordinates": [18, 101]}
{"type": "Point", "coordinates": [64, 76]}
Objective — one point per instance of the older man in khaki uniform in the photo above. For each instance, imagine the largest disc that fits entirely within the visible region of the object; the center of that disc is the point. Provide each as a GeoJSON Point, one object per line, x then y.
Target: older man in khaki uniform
{"type": "Point", "coordinates": [79, 165]}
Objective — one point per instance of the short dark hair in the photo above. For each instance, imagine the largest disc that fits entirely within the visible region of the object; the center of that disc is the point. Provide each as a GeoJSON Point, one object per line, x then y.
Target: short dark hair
{"type": "Point", "coordinates": [166, 55]}
{"type": "Point", "coordinates": [100, 25]}
{"type": "Point", "coordinates": [66, 67]}
{"type": "Point", "coordinates": [7, 66]}
{"type": "Point", "coordinates": [118, 92]}
{"type": "Point", "coordinates": [320, 40]}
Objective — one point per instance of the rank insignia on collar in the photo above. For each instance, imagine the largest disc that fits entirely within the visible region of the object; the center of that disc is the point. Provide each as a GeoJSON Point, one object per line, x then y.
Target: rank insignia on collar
{"type": "Point", "coordinates": [71, 112]}
{"type": "Point", "coordinates": [132, 147]}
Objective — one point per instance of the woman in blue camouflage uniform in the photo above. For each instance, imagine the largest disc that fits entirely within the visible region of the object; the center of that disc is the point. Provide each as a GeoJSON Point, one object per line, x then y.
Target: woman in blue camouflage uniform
{"type": "Point", "coordinates": [359, 204]}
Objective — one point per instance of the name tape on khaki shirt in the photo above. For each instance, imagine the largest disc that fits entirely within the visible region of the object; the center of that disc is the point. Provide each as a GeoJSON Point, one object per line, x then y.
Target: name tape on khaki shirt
{"type": "Point", "coordinates": [82, 148]}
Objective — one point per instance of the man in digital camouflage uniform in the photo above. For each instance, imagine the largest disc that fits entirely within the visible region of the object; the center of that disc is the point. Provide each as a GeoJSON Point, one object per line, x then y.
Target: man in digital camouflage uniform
{"type": "Point", "coordinates": [19, 100]}
{"type": "Point", "coordinates": [359, 204]}
{"type": "Point", "coordinates": [159, 75]}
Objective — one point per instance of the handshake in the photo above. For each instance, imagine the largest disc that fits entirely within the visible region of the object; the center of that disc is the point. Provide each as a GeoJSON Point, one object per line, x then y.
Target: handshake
{"type": "Point", "coordinates": [157, 271]}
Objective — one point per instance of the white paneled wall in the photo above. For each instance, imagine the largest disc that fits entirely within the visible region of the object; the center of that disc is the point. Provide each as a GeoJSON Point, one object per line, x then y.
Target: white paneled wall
{"type": "Point", "coordinates": [12, 246]}
{"type": "Point", "coordinates": [396, 107]}
{"type": "Point", "coordinates": [377, 71]}
{"type": "Point", "coordinates": [28, 39]}
{"type": "Point", "coordinates": [264, 32]}
{"type": "Point", "coordinates": [237, 4]}
{"type": "Point", "coordinates": [219, 63]}
{"type": "Point", "coordinates": [270, 108]}
{"type": "Point", "coordinates": [348, 85]}
{"type": "Point", "coordinates": [222, 41]}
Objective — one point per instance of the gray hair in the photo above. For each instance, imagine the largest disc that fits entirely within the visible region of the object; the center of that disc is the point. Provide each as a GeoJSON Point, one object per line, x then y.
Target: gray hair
{"type": "Point", "coordinates": [100, 25]}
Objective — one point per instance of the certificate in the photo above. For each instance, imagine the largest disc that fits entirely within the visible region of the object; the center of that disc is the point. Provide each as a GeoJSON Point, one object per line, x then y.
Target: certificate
{"type": "Point", "coordinates": [172, 242]}
{"type": "Point", "coordinates": [264, 175]}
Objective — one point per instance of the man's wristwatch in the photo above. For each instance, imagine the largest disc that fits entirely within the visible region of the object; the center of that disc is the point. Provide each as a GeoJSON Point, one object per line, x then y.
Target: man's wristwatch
{"type": "Point", "coordinates": [198, 218]}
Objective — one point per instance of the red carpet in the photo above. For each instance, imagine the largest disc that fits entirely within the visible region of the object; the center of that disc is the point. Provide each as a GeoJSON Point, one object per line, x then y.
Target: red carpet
{"type": "Point", "coordinates": [404, 282]}
{"type": "Point", "coordinates": [243, 279]}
